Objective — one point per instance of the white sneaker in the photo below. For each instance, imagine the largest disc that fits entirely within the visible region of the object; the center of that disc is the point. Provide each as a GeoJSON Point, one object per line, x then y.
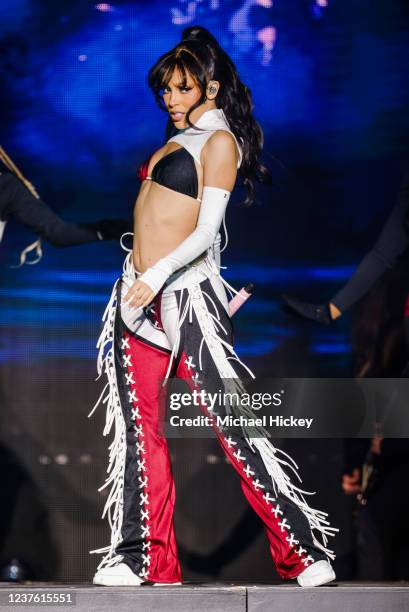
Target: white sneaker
{"type": "Point", "coordinates": [316, 574]}
{"type": "Point", "coordinates": [117, 575]}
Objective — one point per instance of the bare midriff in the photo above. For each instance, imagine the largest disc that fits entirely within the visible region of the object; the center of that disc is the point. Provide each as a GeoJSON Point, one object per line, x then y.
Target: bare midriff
{"type": "Point", "coordinates": [163, 218]}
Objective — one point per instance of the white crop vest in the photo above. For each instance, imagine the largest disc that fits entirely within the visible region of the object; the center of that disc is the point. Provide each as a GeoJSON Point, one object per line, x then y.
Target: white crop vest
{"type": "Point", "coordinates": [194, 140]}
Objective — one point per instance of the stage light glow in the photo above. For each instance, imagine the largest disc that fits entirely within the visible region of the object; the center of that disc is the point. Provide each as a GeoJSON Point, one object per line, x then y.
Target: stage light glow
{"type": "Point", "coordinates": [44, 460]}
{"type": "Point", "coordinates": [61, 459]}
{"type": "Point", "coordinates": [212, 459]}
{"type": "Point", "coordinates": [82, 57]}
{"type": "Point", "coordinates": [267, 36]}
{"type": "Point", "coordinates": [317, 8]}
{"type": "Point", "coordinates": [104, 7]}
{"type": "Point", "coordinates": [180, 18]}
{"type": "Point", "coordinates": [86, 458]}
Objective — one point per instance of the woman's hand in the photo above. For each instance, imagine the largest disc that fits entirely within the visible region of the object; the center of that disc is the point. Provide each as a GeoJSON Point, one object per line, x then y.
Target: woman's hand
{"type": "Point", "coordinates": [139, 295]}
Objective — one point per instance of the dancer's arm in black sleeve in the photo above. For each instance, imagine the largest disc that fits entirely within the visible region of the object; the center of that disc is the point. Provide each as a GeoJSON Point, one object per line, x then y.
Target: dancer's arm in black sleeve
{"type": "Point", "coordinates": [392, 242]}
{"type": "Point", "coordinates": [16, 202]}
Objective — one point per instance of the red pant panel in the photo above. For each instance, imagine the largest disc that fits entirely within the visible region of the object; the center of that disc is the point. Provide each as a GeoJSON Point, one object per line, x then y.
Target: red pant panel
{"type": "Point", "coordinates": [153, 477]}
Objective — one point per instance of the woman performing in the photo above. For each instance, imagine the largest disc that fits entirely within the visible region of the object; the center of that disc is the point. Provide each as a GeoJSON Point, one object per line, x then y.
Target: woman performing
{"type": "Point", "coordinates": [168, 316]}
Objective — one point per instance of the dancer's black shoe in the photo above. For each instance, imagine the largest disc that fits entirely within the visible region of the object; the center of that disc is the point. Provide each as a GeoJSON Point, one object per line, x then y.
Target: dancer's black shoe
{"type": "Point", "coordinates": [319, 313]}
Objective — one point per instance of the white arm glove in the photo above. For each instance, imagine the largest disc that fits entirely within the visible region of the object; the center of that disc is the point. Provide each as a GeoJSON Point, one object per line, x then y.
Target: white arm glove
{"type": "Point", "coordinates": [212, 209]}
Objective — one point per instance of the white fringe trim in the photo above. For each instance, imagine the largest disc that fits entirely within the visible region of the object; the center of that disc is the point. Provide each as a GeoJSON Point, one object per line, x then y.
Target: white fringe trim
{"type": "Point", "coordinates": [117, 450]}
{"type": "Point", "coordinates": [34, 246]}
{"type": "Point", "coordinates": [274, 459]}
{"type": "Point", "coordinates": [113, 508]}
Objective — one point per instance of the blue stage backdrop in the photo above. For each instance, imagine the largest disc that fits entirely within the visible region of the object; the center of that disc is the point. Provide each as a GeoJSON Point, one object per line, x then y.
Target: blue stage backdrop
{"type": "Point", "coordinates": [330, 86]}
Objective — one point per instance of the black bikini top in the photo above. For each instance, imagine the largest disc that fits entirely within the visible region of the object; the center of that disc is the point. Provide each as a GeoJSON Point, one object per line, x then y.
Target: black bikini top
{"type": "Point", "coordinates": [177, 171]}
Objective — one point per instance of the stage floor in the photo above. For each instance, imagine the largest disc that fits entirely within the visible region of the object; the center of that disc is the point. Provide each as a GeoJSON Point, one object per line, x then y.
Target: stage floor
{"type": "Point", "coordinates": [213, 597]}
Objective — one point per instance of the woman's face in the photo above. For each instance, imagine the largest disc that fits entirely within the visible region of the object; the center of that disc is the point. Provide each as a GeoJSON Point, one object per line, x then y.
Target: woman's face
{"type": "Point", "coordinates": [179, 99]}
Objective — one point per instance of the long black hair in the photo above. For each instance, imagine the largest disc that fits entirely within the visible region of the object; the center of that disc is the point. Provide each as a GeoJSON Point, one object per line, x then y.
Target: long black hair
{"type": "Point", "coordinates": [200, 55]}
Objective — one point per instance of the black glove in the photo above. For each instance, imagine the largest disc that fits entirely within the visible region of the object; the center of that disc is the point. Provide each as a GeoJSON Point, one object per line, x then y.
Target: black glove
{"type": "Point", "coordinates": [109, 229]}
{"type": "Point", "coordinates": [319, 313]}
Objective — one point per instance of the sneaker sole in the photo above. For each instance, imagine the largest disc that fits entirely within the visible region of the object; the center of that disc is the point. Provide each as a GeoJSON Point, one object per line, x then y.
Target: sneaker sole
{"type": "Point", "coordinates": [117, 581]}
{"type": "Point", "coordinates": [111, 584]}
{"type": "Point", "coordinates": [318, 580]}
{"type": "Point", "coordinates": [123, 583]}
{"type": "Point", "coordinates": [127, 583]}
